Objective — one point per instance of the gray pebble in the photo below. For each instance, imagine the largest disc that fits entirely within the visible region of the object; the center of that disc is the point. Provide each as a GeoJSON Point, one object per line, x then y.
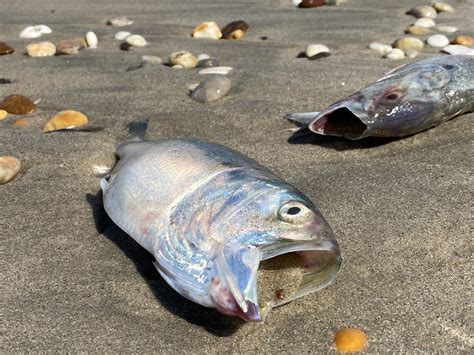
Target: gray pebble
{"type": "Point", "coordinates": [213, 88]}
{"type": "Point", "coordinates": [207, 63]}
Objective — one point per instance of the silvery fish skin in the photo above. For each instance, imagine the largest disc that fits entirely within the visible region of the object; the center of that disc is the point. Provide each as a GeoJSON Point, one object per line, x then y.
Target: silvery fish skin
{"type": "Point", "coordinates": [410, 99]}
{"type": "Point", "coordinates": [209, 215]}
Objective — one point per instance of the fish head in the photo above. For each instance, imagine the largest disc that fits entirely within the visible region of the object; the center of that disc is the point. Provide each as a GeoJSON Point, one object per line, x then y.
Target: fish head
{"type": "Point", "coordinates": [403, 102]}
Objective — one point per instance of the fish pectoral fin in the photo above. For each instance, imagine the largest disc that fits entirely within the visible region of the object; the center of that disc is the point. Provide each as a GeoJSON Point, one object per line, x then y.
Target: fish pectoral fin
{"type": "Point", "coordinates": [301, 118]}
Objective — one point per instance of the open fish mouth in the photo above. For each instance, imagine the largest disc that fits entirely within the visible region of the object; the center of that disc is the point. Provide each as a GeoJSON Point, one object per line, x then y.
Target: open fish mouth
{"type": "Point", "coordinates": [339, 121]}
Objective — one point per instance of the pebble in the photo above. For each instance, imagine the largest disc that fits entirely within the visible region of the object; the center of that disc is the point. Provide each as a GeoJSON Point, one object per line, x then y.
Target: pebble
{"type": "Point", "coordinates": [3, 114]}
{"type": "Point", "coordinates": [9, 168]}
{"type": "Point", "coordinates": [412, 53]}
{"type": "Point", "coordinates": [395, 54]}
{"type": "Point", "coordinates": [18, 105]}
{"type": "Point", "coordinates": [423, 11]}
{"type": "Point", "coordinates": [207, 30]}
{"type": "Point", "coordinates": [91, 39]}
{"type": "Point", "coordinates": [119, 21]}
{"type": "Point", "coordinates": [121, 35]}
{"type": "Point", "coordinates": [35, 31]}
{"type": "Point", "coordinates": [407, 43]}
{"type": "Point", "coordinates": [5, 49]}
{"type": "Point", "coordinates": [424, 22]}
{"type": "Point", "coordinates": [65, 120]}
{"type": "Point", "coordinates": [350, 340]}
{"type": "Point", "coordinates": [311, 3]}
{"type": "Point", "coordinates": [70, 46]}
{"type": "Point", "coordinates": [447, 29]}
{"type": "Point", "coordinates": [5, 81]}
{"type": "Point", "coordinates": [203, 56]}
{"type": "Point", "coordinates": [41, 49]}
{"type": "Point", "coordinates": [184, 58]}
{"type": "Point", "coordinates": [216, 70]}
{"type": "Point", "coordinates": [136, 41]}
{"type": "Point", "coordinates": [458, 49]}
{"type": "Point", "coordinates": [380, 47]}
{"type": "Point", "coordinates": [207, 63]}
{"type": "Point", "coordinates": [443, 7]}
{"type": "Point", "coordinates": [437, 41]}
{"type": "Point", "coordinates": [152, 59]}
{"type": "Point", "coordinates": [296, 2]}
{"type": "Point", "coordinates": [466, 41]}
{"type": "Point", "coordinates": [418, 30]}
{"type": "Point", "coordinates": [213, 88]}
{"type": "Point", "coordinates": [235, 30]}
{"type": "Point", "coordinates": [177, 66]}
{"type": "Point", "coordinates": [316, 51]}
{"type": "Point", "coordinates": [20, 122]}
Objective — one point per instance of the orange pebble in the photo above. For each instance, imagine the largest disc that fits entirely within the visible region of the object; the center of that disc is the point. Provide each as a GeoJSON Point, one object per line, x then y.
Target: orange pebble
{"type": "Point", "coordinates": [20, 122]}
{"type": "Point", "coordinates": [350, 340]}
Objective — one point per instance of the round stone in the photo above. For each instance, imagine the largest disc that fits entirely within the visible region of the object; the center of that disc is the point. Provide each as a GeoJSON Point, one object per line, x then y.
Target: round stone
{"type": "Point", "coordinates": [91, 39]}
{"type": "Point", "coordinates": [207, 30]}
{"type": "Point", "coordinates": [70, 46]}
{"type": "Point", "coordinates": [395, 54]}
{"type": "Point", "coordinates": [350, 340]}
{"type": "Point", "coordinates": [380, 47]}
{"type": "Point", "coordinates": [456, 49]}
{"type": "Point", "coordinates": [184, 58]}
{"type": "Point", "coordinates": [296, 2]}
{"type": "Point", "coordinates": [467, 41]}
{"type": "Point", "coordinates": [207, 63]}
{"type": "Point", "coordinates": [18, 105]}
{"type": "Point", "coordinates": [216, 70]}
{"type": "Point", "coordinates": [235, 30]}
{"type": "Point", "coordinates": [443, 7]}
{"type": "Point", "coordinates": [203, 56]}
{"type": "Point", "coordinates": [5, 49]}
{"type": "Point", "coordinates": [412, 53]}
{"type": "Point", "coordinates": [418, 30]}
{"type": "Point", "coordinates": [136, 41]}
{"type": "Point", "coordinates": [41, 49]}
{"type": "Point", "coordinates": [438, 41]}
{"type": "Point", "coordinates": [311, 3]}
{"type": "Point", "coordinates": [35, 31]}
{"type": "Point", "coordinates": [409, 43]}
{"type": "Point", "coordinates": [20, 122]}
{"type": "Point", "coordinates": [423, 11]}
{"type": "Point", "coordinates": [119, 21]}
{"type": "Point", "coordinates": [65, 120]}
{"type": "Point", "coordinates": [447, 29]}
{"type": "Point", "coordinates": [211, 89]}
{"type": "Point", "coordinates": [315, 51]}
{"type": "Point", "coordinates": [177, 66]}
{"type": "Point", "coordinates": [151, 59]}
{"type": "Point", "coordinates": [424, 22]}
{"type": "Point", "coordinates": [3, 114]}
{"type": "Point", "coordinates": [121, 35]}
{"type": "Point", "coordinates": [9, 168]}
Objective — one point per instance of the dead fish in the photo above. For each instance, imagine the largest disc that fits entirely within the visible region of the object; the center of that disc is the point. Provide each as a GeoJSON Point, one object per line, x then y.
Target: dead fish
{"type": "Point", "coordinates": [409, 99]}
{"type": "Point", "coordinates": [210, 215]}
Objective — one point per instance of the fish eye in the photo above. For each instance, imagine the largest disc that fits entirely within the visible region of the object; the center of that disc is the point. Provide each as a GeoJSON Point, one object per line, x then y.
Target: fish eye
{"type": "Point", "coordinates": [294, 212]}
{"type": "Point", "coordinates": [392, 96]}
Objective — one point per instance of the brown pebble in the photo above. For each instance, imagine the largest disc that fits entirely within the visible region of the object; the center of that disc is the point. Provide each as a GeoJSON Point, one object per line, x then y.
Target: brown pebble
{"type": "Point", "coordinates": [64, 120]}
{"type": "Point", "coordinates": [71, 46]}
{"type": "Point", "coordinates": [235, 30]}
{"type": "Point", "coordinates": [5, 49]}
{"type": "Point", "coordinates": [279, 294]}
{"type": "Point", "coordinates": [466, 41]}
{"type": "Point", "coordinates": [312, 3]}
{"type": "Point", "coordinates": [350, 340]}
{"type": "Point", "coordinates": [418, 30]}
{"type": "Point", "coordinates": [18, 105]}
{"type": "Point", "coordinates": [3, 114]}
{"type": "Point", "coordinates": [9, 168]}
{"type": "Point", "coordinates": [20, 122]}
{"type": "Point", "coordinates": [41, 49]}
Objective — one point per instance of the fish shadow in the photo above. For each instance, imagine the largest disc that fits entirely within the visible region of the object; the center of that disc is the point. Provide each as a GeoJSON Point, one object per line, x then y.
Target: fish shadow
{"type": "Point", "coordinates": [209, 319]}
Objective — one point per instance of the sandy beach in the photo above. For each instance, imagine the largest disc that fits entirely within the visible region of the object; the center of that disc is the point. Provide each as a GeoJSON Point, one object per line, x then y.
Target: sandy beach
{"type": "Point", "coordinates": [401, 209]}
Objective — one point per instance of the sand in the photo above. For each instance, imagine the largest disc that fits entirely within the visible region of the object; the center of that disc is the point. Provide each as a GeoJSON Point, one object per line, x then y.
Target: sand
{"type": "Point", "coordinates": [401, 209]}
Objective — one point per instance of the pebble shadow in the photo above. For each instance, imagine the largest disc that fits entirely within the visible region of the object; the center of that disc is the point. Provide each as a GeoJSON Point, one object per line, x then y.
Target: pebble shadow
{"type": "Point", "coordinates": [209, 319]}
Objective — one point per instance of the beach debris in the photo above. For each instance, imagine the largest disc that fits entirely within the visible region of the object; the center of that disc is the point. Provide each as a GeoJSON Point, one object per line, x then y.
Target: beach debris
{"type": "Point", "coordinates": [3, 114]}
{"type": "Point", "coordinates": [349, 340]}
{"type": "Point", "coordinates": [136, 41]}
{"type": "Point", "coordinates": [121, 35]}
{"type": "Point", "coordinates": [151, 59]}
{"type": "Point", "coordinates": [442, 7]}
{"type": "Point", "coordinates": [65, 120]}
{"type": "Point", "coordinates": [6, 49]}
{"type": "Point", "coordinates": [395, 54]}
{"type": "Point", "coordinates": [424, 22]}
{"type": "Point", "coordinates": [418, 30]}
{"type": "Point", "coordinates": [184, 58]}
{"type": "Point", "coordinates": [407, 100]}
{"type": "Point", "coordinates": [235, 30]}
{"type": "Point", "coordinates": [411, 53]}
{"type": "Point", "coordinates": [447, 29]}
{"type": "Point", "coordinates": [216, 70]}
{"type": "Point", "coordinates": [196, 188]}
{"type": "Point", "coordinates": [208, 29]}
{"type": "Point", "coordinates": [316, 3]}
{"type": "Point", "coordinates": [120, 21]}
{"type": "Point", "coordinates": [212, 88]}
{"type": "Point", "coordinates": [91, 39]}
{"type": "Point", "coordinates": [18, 105]}
{"type": "Point", "coordinates": [456, 49]}
{"type": "Point", "coordinates": [35, 31]}
{"type": "Point", "coordinates": [380, 47]}
{"type": "Point", "coordinates": [9, 168]}
{"type": "Point", "coordinates": [423, 11]}
{"type": "Point", "coordinates": [407, 43]}
{"type": "Point", "coordinates": [41, 49]}
{"type": "Point", "coordinates": [207, 63]}
{"type": "Point", "coordinates": [71, 46]}
{"type": "Point", "coordinates": [317, 51]}
{"type": "Point", "coordinates": [437, 41]}
{"type": "Point", "coordinates": [466, 41]}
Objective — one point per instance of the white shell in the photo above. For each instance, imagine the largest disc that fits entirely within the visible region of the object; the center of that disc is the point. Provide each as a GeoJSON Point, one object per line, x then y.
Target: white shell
{"type": "Point", "coordinates": [136, 41]}
{"type": "Point", "coordinates": [121, 35]}
{"type": "Point", "coordinates": [447, 29]}
{"type": "Point", "coordinates": [424, 22]}
{"type": "Point", "coordinates": [395, 54]}
{"type": "Point", "coordinates": [313, 49]}
{"type": "Point", "coordinates": [412, 53]}
{"type": "Point", "coordinates": [437, 41]}
{"type": "Point", "coordinates": [380, 47]}
{"type": "Point", "coordinates": [458, 49]}
{"type": "Point", "coordinates": [35, 31]}
{"type": "Point", "coordinates": [91, 39]}
{"type": "Point", "coordinates": [203, 56]}
{"type": "Point", "coordinates": [216, 70]}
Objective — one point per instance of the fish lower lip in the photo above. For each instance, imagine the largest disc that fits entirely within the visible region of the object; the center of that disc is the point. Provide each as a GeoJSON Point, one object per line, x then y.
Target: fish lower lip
{"type": "Point", "coordinates": [339, 122]}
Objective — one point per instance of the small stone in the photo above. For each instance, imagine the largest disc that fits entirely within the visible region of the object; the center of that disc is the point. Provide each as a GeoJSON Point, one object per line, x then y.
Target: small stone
{"type": "Point", "coordinates": [423, 11]}
{"type": "Point", "coordinates": [35, 31]}
{"type": "Point", "coordinates": [203, 56]}
{"type": "Point", "coordinates": [207, 63]}
{"type": "Point", "coordinates": [5, 49]}
{"type": "Point", "coordinates": [177, 66]}
{"type": "Point", "coordinates": [3, 114]}
{"type": "Point", "coordinates": [207, 30]}
{"type": "Point", "coordinates": [184, 58]}
{"type": "Point", "coordinates": [41, 49]}
{"type": "Point", "coordinates": [311, 3]}
{"type": "Point", "coordinates": [235, 30]}
{"type": "Point", "coordinates": [455, 49]}
{"type": "Point", "coordinates": [395, 54]}
{"type": "Point", "coordinates": [20, 122]}
{"type": "Point", "coordinates": [407, 43]}
{"type": "Point", "coordinates": [91, 39]}
{"type": "Point", "coordinates": [121, 35]}
{"type": "Point", "coordinates": [151, 59]}
{"type": "Point", "coordinates": [316, 51]}
{"type": "Point", "coordinates": [5, 81]}
{"type": "Point", "coordinates": [438, 41]}
{"type": "Point", "coordinates": [424, 22]}
{"type": "Point", "coordinates": [65, 120]}
{"type": "Point", "coordinates": [125, 46]}
{"type": "Point", "coordinates": [119, 21]}
{"type": "Point", "coordinates": [9, 168]}
{"type": "Point", "coordinates": [466, 41]}
{"type": "Point", "coordinates": [296, 2]}
{"type": "Point", "coordinates": [447, 29]}
{"type": "Point", "coordinates": [70, 46]}
{"type": "Point", "coordinates": [443, 7]}
{"type": "Point", "coordinates": [418, 30]}
{"type": "Point", "coordinates": [216, 70]}
{"type": "Point", "coordinates": [350, 340]}
{"type": "Point", "coordinates": [18, 105]}
{"type": "Point", "coordinates": [411, 53]}
{"type": "Point", "coordinates": [136, 41]}
{"type": "Point", "coordinates": [211, 89]}
{"type": "Point", "coordinates": [380, 47]}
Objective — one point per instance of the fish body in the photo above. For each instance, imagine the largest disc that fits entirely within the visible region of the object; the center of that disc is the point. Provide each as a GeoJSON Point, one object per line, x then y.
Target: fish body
{"type": "Point", "coordinates": [210, 215]}
{"type": "Point", "coordinates": [409, 99]}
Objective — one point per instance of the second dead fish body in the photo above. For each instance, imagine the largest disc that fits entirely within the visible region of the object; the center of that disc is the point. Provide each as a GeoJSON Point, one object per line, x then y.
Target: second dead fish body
{"type": "Point", "coordinates": [409, 99]}
{"type": "Point", "coordinates": [210, 216]}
